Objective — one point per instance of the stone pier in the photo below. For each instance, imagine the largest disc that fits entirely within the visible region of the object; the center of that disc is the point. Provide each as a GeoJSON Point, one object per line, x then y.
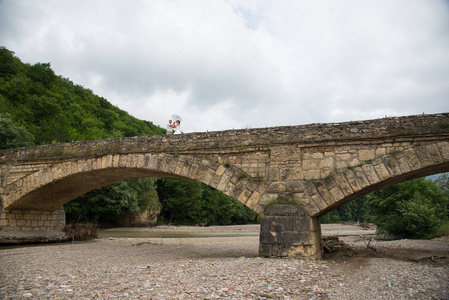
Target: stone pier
{"type": "Point", "coordinates": [289, 231]}
{"type": "Point", "coordinates": [20, 226]}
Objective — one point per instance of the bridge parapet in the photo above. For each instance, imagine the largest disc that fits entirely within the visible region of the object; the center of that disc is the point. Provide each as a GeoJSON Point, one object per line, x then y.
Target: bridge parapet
{"type": "Point", "coordinates": [397, 129]}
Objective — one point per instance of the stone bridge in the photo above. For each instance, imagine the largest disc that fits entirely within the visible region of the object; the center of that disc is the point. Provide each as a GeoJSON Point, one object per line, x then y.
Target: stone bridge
{"type": "Point", "coordinates": [317, 167]}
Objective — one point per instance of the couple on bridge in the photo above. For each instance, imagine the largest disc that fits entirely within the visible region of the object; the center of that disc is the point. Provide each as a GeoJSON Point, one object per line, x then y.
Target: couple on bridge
{"type": "Point", "coordinates": [174, 125]}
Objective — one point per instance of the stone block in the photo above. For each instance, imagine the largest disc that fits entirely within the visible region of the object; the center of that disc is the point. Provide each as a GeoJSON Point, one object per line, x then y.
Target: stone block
{"type": "Point", "coordinates": [382, 171]}
{"type": "Point", "coordinates": [327, 197]}
{"type": "Point", "coordinates": [423, 156]}
{"type": "Point", "coordinates": [327, 163]}
{"type": "Point", "coordinates": [352, 180]}
{"type": "Point", "coordinates": [279, 250]}
{"type": "Point", "coordinates": [277, 187]}
{"type": "Point", "coordinates": [115, 160]}
{"type": "Point", "coordinates": [434, 153]}
{"type": "Point", "coordinates": [292, 238]}
{"type": "Point", "coordinates": [220, 170]}
{"type": "Point", "coordinates": [297, 173]}
{"type": "Point", "coordinates": [444, 150]}
{"type": "Point", "coordinates": [367, 154]}
{"type": "Point", "coordinates": [360, 177]}
{"type": "Point", "coordinates": [412, 159]}
{"type": "Point", "coordinates": [285, 210]}
{"type": "Point", "coordinates": [286, 174]}
{"type": "Point", "coordinates": [342, 183]}
{"type": "Point", "coordinates": [267, 237]}
{"type": "Point", "coordinates": [370, 174]}
{"type": "Point", "coordinates": [392, 165]}
{"type": "Point", "coordinates": [274, 174]}
{"type": "Point", "coordinates": [297, 251]}
{"type": "Point", "coordinates": [265, 250]}
{"type": "Point", "coordinates": [200, 172]}
{"type": "Point", "coordinates": [253, 200]}
{"type": "Point", "coordinates": [208, 176]}
{"type": "Point", "coordinates": [319, 203]}
{"type": "Point", "coordinates": [295, 187]}
{"type": "Point", "coordinates": [224, 180]}
{"type": "Point", "coordinates": [238, 189]}
{"type": "Point", "coordinates": [312, 174]}
{"type": "Point", "coordinates": [334, 190]}
{"type": "Point", "coordinates": [214, 181]}
{"type": "Point", "coordinates": [311, 208]}
{"type": "Point", "coordinates": [244, 196]}
{"type": "Point", "coordinates": [310, 164]}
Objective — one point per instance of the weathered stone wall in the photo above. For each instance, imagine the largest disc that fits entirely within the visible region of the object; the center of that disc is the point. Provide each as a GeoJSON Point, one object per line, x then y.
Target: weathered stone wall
{"type": "Point", "coordinates": [289, 231]}
{"type": "Point", "coordinates": [32, 220]}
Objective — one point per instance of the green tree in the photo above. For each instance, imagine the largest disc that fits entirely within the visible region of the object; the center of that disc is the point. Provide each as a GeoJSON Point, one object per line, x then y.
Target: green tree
{"type": "Point", "coordinates": [41, 73]}
{"type": "Point", "coordinates": [13, 136]}
{"type": "Point", "coordinates": [8, 65]}
{"type": "Point", "coordinates": [411, 209]}
{"type": "Point", "coordinates": [221, 209]}
{"type": "Point", "coordinates": [181, 200]}
{"type": "Point", "coordinates": [443, 182]}
{"type": "Point", "coordinates": [106, 204]}
{"type": "Point", "coordinates": [354, 211]}
{"type": "Point", "coordinates": [191, 202]}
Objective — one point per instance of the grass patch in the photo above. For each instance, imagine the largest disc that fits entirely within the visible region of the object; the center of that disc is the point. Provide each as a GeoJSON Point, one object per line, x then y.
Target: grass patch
{"type": "Point", "coordinates": [442, 231]}
{"type": "Point", "coordinates": [242, 175]}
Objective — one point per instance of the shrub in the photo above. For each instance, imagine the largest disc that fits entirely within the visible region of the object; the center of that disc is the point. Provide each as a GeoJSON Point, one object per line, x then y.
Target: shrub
{"type": "Point", "coordinates": [411, 209]}
{"type": "Point", "coordinates": [81, 232]}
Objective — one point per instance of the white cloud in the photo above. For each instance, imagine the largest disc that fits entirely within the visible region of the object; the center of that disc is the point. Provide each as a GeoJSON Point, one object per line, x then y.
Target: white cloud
{"type": "Point", "coordinates": [235, 64]}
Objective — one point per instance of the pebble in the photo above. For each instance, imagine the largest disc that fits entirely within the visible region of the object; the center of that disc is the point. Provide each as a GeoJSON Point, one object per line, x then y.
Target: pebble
{"type": "Point", "coordinates": [115, 269]}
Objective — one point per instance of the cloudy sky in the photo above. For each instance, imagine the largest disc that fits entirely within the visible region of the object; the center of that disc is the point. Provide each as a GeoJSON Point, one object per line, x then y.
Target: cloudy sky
{"type": "Point", "coordinates": [224, 64]}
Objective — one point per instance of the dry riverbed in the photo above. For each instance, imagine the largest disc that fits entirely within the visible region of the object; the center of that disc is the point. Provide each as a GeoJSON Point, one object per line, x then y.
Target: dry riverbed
{"type": "Point", "coordinates": [222, 265]}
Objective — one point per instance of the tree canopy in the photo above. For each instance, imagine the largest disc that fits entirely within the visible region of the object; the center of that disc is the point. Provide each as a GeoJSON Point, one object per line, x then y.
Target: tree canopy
{"type": "Point", "coordinates": [191, 202]}
{"type": "Point", "coordinates": [55, 110]}
{"type": "Point", "coordinates": [410, 209]}
{"type": "Point", "coordinates": [13, 136]}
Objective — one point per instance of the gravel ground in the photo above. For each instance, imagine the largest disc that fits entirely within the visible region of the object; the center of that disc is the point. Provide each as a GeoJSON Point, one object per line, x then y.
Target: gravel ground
{"type": "Point", "coordinates": [221, 268]}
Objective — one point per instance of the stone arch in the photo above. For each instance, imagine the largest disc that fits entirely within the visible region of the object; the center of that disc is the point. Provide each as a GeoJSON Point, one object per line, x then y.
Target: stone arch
{"type": "Point", "coordinates": [327, 195]}
{"type": "Point", "coordinates": [51, 187]}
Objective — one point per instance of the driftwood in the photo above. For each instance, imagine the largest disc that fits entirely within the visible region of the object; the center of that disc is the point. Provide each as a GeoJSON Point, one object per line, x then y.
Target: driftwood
{"type": "Point", "coordinates": [81, 231]}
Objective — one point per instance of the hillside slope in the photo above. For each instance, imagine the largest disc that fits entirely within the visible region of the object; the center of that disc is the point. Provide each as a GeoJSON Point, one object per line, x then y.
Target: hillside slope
{"type": "Point", "coordinates": [54, 109]}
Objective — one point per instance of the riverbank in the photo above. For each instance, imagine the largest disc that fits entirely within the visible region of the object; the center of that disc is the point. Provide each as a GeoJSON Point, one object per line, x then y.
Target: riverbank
{"type": "Point", "coordinates": [216, 268]}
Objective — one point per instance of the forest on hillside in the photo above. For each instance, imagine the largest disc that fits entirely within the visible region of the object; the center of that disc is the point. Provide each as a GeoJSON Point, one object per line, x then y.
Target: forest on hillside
{"type": "Point", "coordinates": [55, 110]}
{"type": "Point", "coordinates": [39, 107]}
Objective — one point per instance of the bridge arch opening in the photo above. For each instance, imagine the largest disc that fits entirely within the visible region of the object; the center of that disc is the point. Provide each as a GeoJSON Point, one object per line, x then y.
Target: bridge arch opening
{"type": "Point", "coordinates": [55, 186]}
{"type": "Point", "coordinates": [390, 181]}
{"type": "Point", "coordinates": [358, 210]}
